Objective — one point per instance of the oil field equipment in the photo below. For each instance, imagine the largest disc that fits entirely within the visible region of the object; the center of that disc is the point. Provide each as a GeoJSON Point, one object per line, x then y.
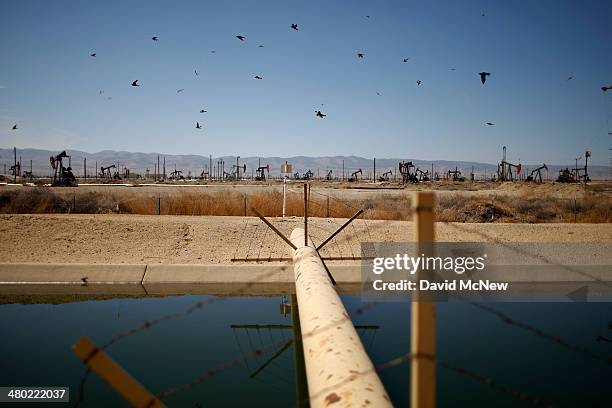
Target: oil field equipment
{"type": "Point", "coordinates": [62, 176]}
{"type": "Point", "coordinates": [455, 175]}
{"type": "Point", "coordinates": [261, 172]}
{"type": "Point", "coordinates": [536, 174]}
{"type": "Point", "coordinates": [204, 174]}
{"type": "Point", "coordinates": [355, 175]}
{"type": "Point", "coordinates": [505, 169]}
{"type": "Point", "coordinates": [15, 169]}
{"type": "Point", "coordinates": [105, 172]}
{"type": "Point", "coordinates": [385, 176]}
{"type": "Point", "coordinates": [177, 175]}
{"type": "Point", "coordinates": [235, 174]}
{"type": "Point", "coordinates": [407, 170]}
{"type": "Point", "coordinates": [306, 176]}
{"type": "Point", "coordinates": [577, 174]}
{"type": "Point", "coordinates": [328, 176]}
{"type": "Point", "coordinates": [422, 175]}
{"type": "Point", "coordinates": [566, 176]}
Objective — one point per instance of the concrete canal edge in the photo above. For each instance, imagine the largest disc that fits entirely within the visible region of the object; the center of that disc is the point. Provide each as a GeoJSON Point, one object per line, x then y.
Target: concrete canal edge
{"type": "Point", "coordinates": [73, 273]}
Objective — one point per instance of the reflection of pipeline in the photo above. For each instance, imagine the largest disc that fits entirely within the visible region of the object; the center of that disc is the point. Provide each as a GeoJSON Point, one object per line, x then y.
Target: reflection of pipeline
{"type": "Point", "coordinates": [338, 368]}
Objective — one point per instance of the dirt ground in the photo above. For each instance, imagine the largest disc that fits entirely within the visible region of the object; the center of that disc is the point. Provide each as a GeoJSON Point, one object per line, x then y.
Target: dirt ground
{"type": "Point", "coordinates": [140, 239]}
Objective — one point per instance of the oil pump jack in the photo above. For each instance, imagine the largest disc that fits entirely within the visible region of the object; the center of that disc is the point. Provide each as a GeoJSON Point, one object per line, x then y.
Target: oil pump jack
{"type": "Point", "coordinates": [177, 175]}
{"type": "Point", "coordinates": [105, 172]}
{"type": "Point", "coordinates": [504, 169]}
{"type": "Point", "coordinates": [15, 169]}
{"type": "Point", "coordinates": [235, 174]}
{"type": "Point", "coordinates": [455, 175]}
{"type": "Point", "coordinates": [355, 175]}
{"type": "Point", "coordinates": [407, 170]}
{"type": "Point", "coordinates": [328, 176]}
{"type": "Point", "coordinates": [422, 175]}
{"type": "Point", "coordinates": [261, 172]}
{"type": "Point", "coordinates": [576, 174]}
{"type": "Point", "coordinates": [62, 176]}
{"type": "Point", "coordinates": [536, 174]}
{"type": "Point", "coordinates": [306, 176]}
{"type": "Point", "coordinates": [385, 176]}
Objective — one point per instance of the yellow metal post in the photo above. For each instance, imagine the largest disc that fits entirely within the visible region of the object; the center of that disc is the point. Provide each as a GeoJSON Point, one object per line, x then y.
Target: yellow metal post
{"type": "Point", "coordinates": [126, 385]}
{"type": "Point", "coordinates": [423, 318]}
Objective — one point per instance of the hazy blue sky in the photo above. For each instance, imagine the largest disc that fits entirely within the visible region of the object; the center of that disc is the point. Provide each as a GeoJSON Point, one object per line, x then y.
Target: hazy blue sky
{"type": "Point", "coordinates": [49, 85]}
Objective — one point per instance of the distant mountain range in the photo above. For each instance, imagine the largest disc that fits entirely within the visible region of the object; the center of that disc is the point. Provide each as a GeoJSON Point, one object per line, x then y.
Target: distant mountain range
{"type": "Point", "coordinates": [138, 163]}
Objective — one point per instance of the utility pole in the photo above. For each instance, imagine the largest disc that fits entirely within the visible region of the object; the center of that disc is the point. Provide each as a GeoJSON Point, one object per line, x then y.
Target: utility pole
{"type": "Point", "coordinates": [374, 177]}
{"type": "Point", "coordinates": [15, 171]}
{"type": "Point", "coordinates": [237, 168]}
{"type": "Point", "coordinates": [164, 168]}
{"type": "Point", "coordinates": [210, 168]}
{"type": "Point", "coordinates": [96, 172]}
{"type": "Point", "coordinates": [84, 167]}
{"type": "Point", "coordinates": [342, 169]}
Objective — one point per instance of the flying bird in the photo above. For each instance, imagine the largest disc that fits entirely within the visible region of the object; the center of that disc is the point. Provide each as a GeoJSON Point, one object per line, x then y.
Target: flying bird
{"type": "Point", "coordinates": [483, 76]}
{"type": "Point", "coordinates": [319, 114]}
{"type": "Point", "coordinates": [213, 51]}
{"type": "Point", "coordinates": [109, 98]}
{"type": "Point", "coordinates": [196, 72]}
{"type": "Point", "coordinates": [135, 83]}
{"type": "Point", "coordinates": [260, 46]}
{"type": "Point", "coordinates": [92, 55]}
{"type": "Point", "coordinates": [367, 16]}
{"type": "Point", "coordinates": [202, 111]}
{"type": "Point", "coordinates": [378, 93]}
{"type": "Point", "coordinates": [240, 37]}
{"type": "Point", "coordinates": [180, 90]}
{"type": "Point", "coordinates": [406, 59]}
{"type": "Point", "coordinates": [570, 77]}
{"type": "Point", "coordinates": [490, 124]}
{"type": "Point", "coordinates": [606, 88]}
{"type": "Point", "coordinates": [453, 69]}
{"type": "Point", "coordinates": [257, 77]}
{"type": "Point", "coordinates": [101, 91]}
{"type": "Point", "coordinates": [419, 82]}
{"type": "Point", "coordinates": [198, 126]}
{"type": "Point", "coordinates": [14, 127]}
{"type": "Point", "coordinates": [359, 55]}
{"type": "Point", "coordinates": [154, 38]}
{"type": "Point", "coordinates": [295, 27]}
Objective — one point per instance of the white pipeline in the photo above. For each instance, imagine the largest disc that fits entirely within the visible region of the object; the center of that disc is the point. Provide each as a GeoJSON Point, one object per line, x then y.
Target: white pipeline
{"type": "Point", "coordinates": [338, 369]}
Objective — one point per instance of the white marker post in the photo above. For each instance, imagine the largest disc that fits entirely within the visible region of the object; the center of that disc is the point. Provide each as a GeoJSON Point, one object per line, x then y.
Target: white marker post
{"type": "Point", "coordinates": [284, 193]}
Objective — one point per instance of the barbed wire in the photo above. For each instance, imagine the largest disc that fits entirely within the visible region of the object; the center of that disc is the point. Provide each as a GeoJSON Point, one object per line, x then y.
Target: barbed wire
{"type": "Point", "coordinates": [148, 324]}
{"type": "Point", "coordinates": [539, 333]}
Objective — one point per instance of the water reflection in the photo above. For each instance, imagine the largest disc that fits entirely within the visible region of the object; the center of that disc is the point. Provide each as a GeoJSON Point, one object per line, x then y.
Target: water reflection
{"type": "Point", "coordinates": [35, 349]}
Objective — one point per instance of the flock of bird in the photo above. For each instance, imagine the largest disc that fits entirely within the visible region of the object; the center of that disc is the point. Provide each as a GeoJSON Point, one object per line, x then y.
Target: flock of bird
{"type": "Point", "coordinates": [360, 55]}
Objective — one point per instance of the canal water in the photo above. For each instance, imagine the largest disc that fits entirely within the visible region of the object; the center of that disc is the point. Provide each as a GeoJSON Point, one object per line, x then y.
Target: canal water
{"type": "Point", "coordinates": [35, 350]}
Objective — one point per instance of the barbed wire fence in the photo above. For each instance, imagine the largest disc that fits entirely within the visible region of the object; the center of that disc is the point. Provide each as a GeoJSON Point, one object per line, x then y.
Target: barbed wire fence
{"type": "Point", "coordinates": [360, 310]}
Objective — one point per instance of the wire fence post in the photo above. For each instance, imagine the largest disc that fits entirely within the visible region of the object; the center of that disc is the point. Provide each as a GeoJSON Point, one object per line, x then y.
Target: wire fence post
{"type": "Point", "coordinates": [423, 317]}
{"type": "Point", "coordinates": [305, 214]}
{"type": "Point", "coordinates": [284, 194]}
{"type": "Point", "coordinates": [245, 205]}
{"type": "Point", "coordinates": [158, 205]}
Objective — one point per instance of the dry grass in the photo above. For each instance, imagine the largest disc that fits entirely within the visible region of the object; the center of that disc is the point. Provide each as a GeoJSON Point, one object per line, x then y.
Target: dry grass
{"type": "Point", "coordinates": [591, 208]}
